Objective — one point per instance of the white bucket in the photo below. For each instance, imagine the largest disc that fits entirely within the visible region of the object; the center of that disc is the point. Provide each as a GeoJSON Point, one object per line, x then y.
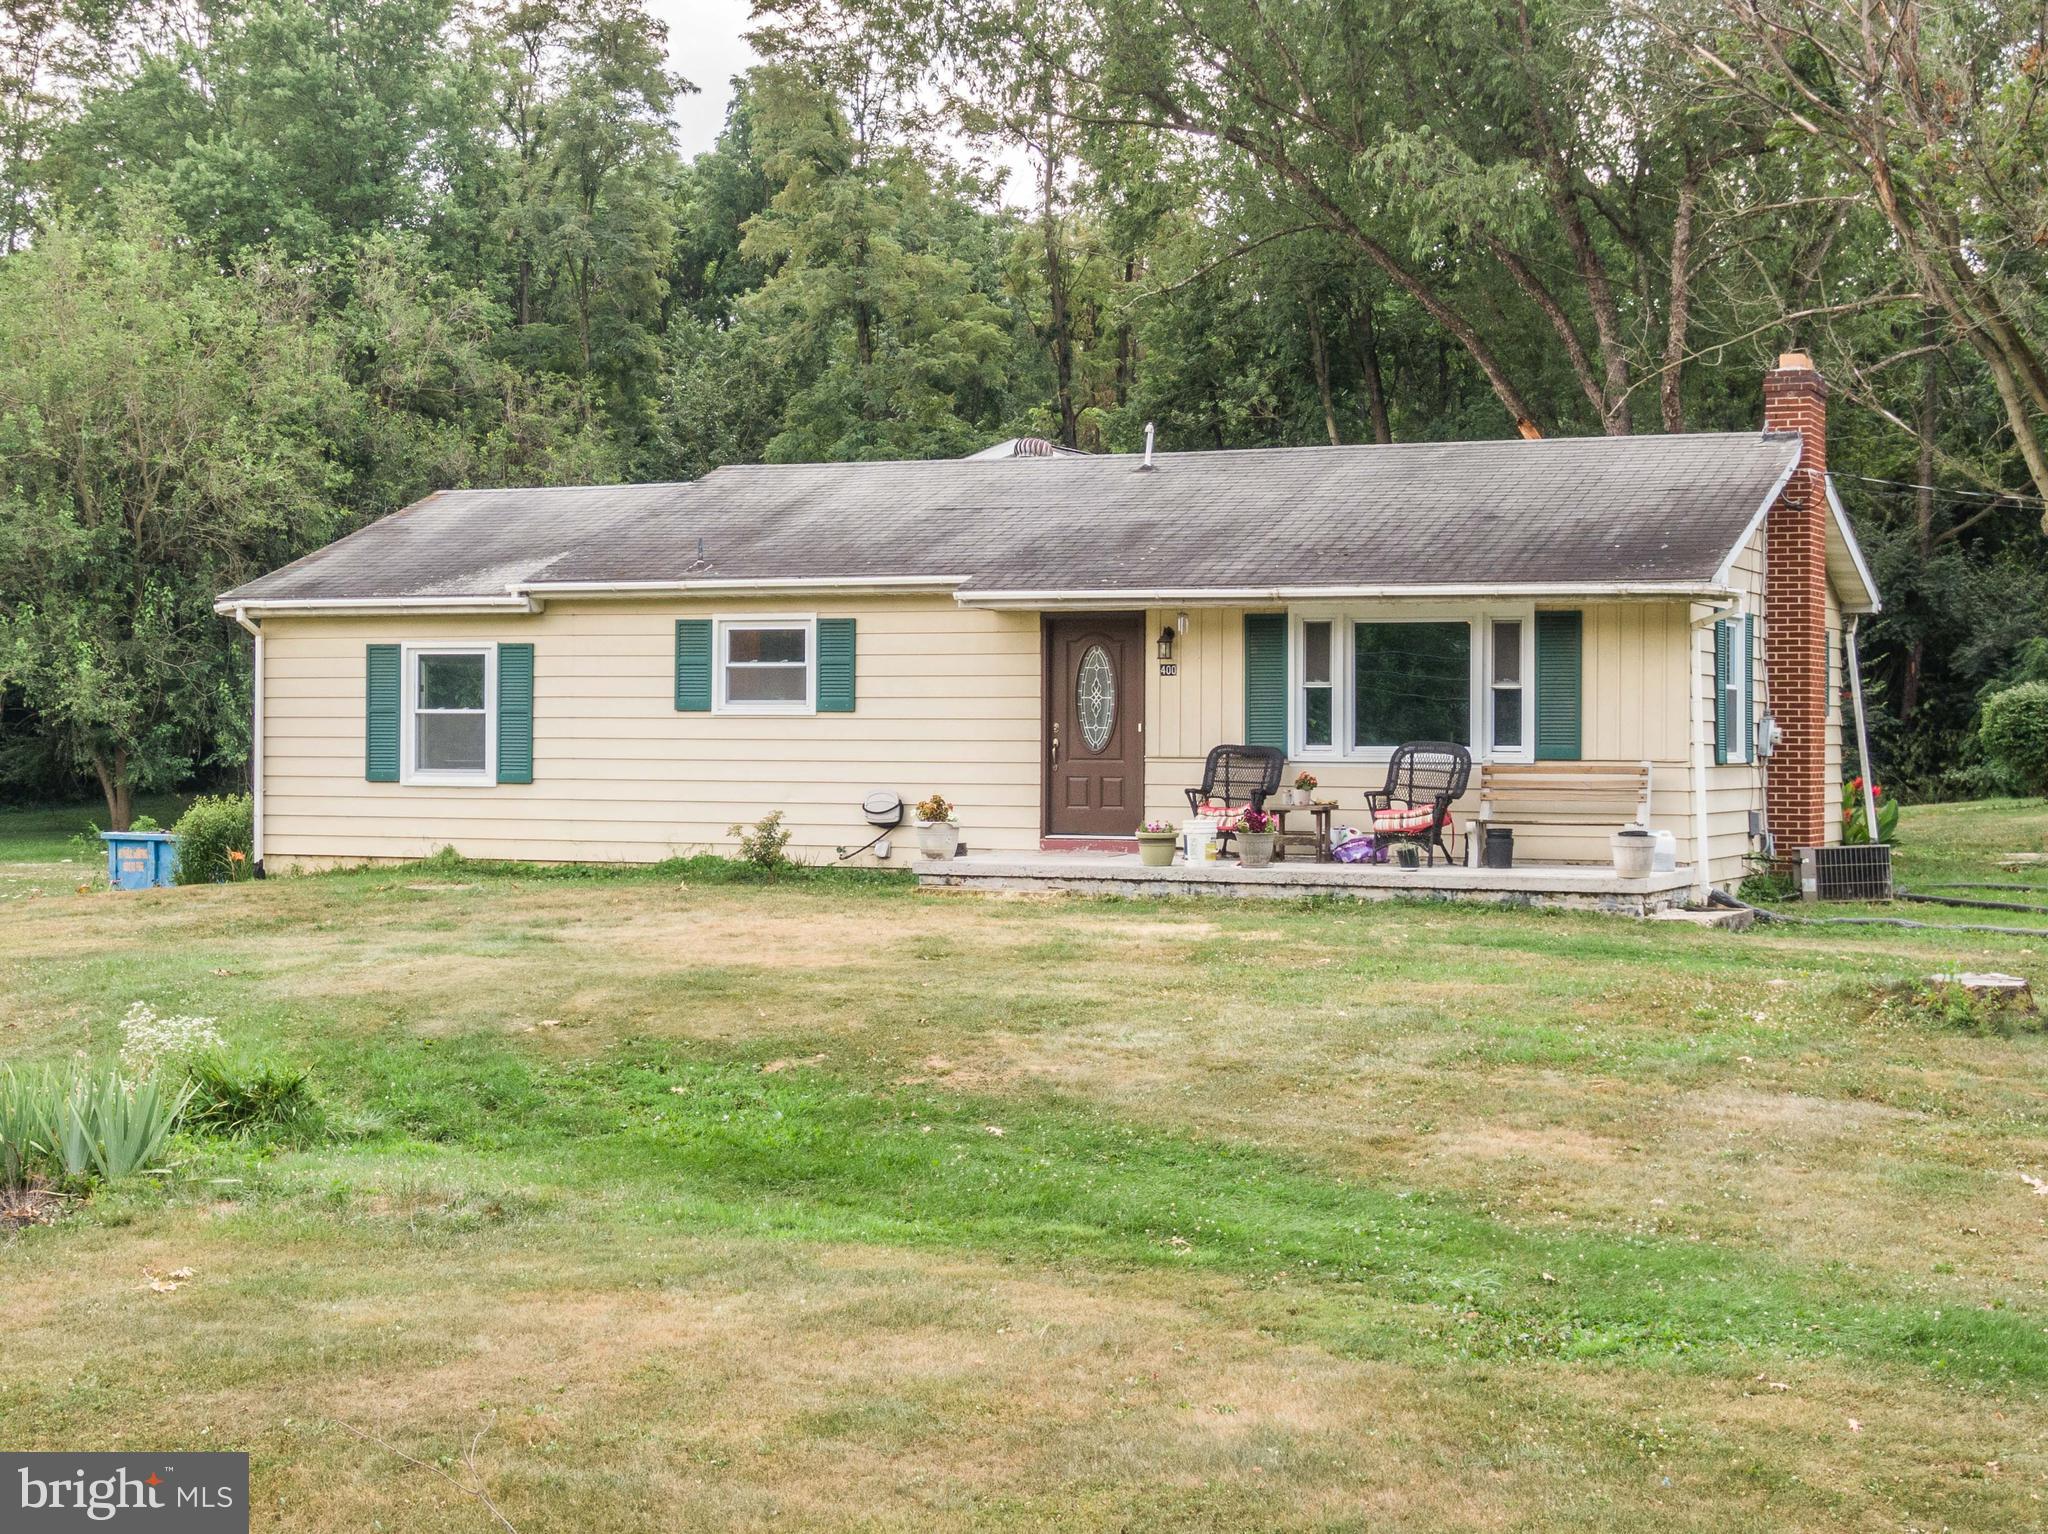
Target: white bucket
{"type": "Point", "coordinates": [1665, 859]}
{"type": "Point", "coordinates": [1198, 841]}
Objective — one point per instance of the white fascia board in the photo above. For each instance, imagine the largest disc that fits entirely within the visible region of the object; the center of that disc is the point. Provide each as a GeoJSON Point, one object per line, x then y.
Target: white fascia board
{"type": "Point", "coordinates": [337, 607]}
{"type": "Point", "coordinates": [1280, 595]}
{"type": "Point", "coordinates": [1871, 602]}
{"type": "Point", "coordinates": [1725, 576]}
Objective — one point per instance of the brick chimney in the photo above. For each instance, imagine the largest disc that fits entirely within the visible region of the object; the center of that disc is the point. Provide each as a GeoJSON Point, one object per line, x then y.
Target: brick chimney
{"type": "Point", "coordinates": [1801, 801]}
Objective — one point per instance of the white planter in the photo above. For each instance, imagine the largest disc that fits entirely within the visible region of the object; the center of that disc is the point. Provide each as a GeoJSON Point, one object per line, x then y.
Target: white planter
{"type": "Point", "coordinates": [1633, 854]}
{"type": "Point", "coordinates": [938, 838]}
{"type": "Point", "coordinates": [1300, 798]}
{"type": "Point", "coordinates": [1255, 848]}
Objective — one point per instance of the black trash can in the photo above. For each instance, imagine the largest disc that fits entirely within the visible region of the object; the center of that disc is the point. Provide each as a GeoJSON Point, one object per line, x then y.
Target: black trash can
{"type": "Point", "coordinates": [1499, 847]}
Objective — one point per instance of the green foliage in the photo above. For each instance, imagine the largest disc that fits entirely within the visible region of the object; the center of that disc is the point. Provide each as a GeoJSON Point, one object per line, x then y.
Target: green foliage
{"type": "Point", "coordinates": [71, 1126]}
{"type": "Point", "coordinates": [2014, 731]}
{"type": "Point", "coordinates": [248, 1099]}
{"type": "Point", "coordinates": [762, 843]}
{"type": "Point", "coordinates": [1855, 814]}
{"type": "Point", "coordinates": [215, 840]}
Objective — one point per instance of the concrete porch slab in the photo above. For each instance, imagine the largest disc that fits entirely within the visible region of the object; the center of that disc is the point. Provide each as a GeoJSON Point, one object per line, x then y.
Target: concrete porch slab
{"type": "Point", "coordinates": [1589, 888]}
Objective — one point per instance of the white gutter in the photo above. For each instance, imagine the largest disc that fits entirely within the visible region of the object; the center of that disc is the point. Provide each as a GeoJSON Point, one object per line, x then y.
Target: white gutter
{"type": "Point", "coordinates": [1862, 734]}
{"type": "Point", "coordinates": [869, 585]}
{"type": "Point", "coordinates": [241, 615]}
{"type": "Point", "coordinates": [343, 607]}
{"type": "Point", "coordinates": [1213, 596]}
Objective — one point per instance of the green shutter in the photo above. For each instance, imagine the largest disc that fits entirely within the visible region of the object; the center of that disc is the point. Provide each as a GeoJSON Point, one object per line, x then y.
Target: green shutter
{"type": "Point", "coordinates": [1749, 687]}
{"type": "Point", "coordinates": [835, 665]}
{"type": "Point", "coordinates": [382, 667]}
{"type": "Point", "coordinates": [1724, 725]}
{"type": "Point", "coordinates": [1560, 707]}
{"type": "Point", "coordinates": [693, 665]}
{"type": "Point", "coordinates": [1265, 679]}
{"type": "Point", "coordinates": [515, 713]}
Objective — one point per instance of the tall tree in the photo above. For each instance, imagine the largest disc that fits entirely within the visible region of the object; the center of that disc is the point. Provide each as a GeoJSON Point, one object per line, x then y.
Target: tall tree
{"type": "Point", "coordinates": [164, 431]}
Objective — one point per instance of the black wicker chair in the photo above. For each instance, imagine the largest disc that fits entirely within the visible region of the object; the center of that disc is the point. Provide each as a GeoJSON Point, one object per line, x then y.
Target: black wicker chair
{"type": "Point", "coordinates": [1236, 778]}
{"type": "Point", "coordinates": [1424, 775]}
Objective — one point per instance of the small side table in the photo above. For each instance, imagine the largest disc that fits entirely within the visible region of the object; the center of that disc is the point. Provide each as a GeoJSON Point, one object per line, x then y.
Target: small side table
{"type": "Point", "coordinates": [1320, 814]}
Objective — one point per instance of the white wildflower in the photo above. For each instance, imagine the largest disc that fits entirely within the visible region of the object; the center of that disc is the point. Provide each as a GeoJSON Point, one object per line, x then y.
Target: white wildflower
{"type": "Point", "coordinates": [148, 1038]}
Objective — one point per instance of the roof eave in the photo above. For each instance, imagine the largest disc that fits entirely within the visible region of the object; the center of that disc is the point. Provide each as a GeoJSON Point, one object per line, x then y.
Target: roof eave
{"type": "Point", "coordinates": [1255, 596]}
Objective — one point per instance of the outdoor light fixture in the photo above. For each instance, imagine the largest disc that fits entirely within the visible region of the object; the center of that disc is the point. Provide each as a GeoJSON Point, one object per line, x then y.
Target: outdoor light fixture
{"type": "Point", "coordinates": [1166, 643]}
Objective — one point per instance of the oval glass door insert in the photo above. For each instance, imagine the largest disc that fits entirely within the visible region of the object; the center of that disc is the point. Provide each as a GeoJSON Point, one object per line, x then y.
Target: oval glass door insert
{"type": "Point", "coordinates": [1095, 697]}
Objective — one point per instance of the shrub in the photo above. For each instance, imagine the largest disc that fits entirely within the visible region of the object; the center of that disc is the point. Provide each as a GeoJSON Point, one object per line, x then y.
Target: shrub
{"type": "Point", "coordinates": [2014, 730]}
{"type": "Point", "coordinates": [58, 1125]}
{"type": "Point", "coordinates": [214, 839]}
{"type": "Point", "coordinates": [761, 843]}
{"type": "Point", "coordinates": [249, 1099]}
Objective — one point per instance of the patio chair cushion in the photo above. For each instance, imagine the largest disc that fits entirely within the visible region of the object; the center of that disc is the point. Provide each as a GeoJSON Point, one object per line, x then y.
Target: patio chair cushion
{"type": "Point", "coordinates": [1398, 822]}
{"type": "Point", "coordinates": [1218, 807]}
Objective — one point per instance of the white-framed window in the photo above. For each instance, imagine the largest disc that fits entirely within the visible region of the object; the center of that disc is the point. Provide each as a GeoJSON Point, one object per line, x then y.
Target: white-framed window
{"type": "Point", "coordinates": [1368, 678]}
{"type": "Point", "coordinates": [1508, 721]}
{"type": "Point", "coordinates": [1737, 684]}
{"type": "Point", "coordinates": [1318, 687]}
{"type": "Point", "coordinates": [450, 732]}
{"type": "Point", "coordinates": [766, 666]}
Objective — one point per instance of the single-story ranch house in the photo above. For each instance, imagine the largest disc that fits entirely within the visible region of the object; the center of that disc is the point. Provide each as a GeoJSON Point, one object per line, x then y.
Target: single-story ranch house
{"type": "Point", "coordinates": [1054, 642]}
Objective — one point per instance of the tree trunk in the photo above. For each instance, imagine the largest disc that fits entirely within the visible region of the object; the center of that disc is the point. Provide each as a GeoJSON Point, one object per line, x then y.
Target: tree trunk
{"type": "Point", "coordinates": [116, 789]}
{"type": "Point", "coordinates": [1062, 339]}
{"type": "Point", "coordinates": [1923, 500]}
{"type": "Point", "coordinates": [1375, 386]}
{"type": "Point", "coordinates": [1678, 314]}
{"type": "Point", "coordinates": [1319, 357]}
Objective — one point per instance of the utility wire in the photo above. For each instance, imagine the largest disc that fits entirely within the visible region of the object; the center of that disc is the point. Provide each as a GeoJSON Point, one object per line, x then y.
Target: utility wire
{"type": "Point", "coordinates": [2013, 496]}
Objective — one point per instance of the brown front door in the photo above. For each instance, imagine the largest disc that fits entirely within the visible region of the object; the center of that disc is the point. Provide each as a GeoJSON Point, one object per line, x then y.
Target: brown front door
{"type": "Point", "coordinates": [1095, 724]}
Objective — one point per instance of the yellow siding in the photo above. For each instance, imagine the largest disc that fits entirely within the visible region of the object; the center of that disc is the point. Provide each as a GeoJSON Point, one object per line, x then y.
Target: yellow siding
{"type": "Point", "coordinates": [947, 699]}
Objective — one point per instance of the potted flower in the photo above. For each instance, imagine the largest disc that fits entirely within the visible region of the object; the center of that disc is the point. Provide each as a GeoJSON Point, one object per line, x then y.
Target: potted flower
{"type": "Point", "coordinates": [1257, 831]}
{"type": "Point", "coordinates": [1156, 841]}
{"type": "Point", "coordinates": [938, 833]}
{"type": "Point", "coordinates": [1302, 795]}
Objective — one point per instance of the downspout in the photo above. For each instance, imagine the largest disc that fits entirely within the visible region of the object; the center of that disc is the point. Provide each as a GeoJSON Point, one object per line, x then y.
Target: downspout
{"type": "Point", "coordinates": [255, 745]}
{"type": "Point", "coordinates": [1862, 733]}
{"type": "Point", "coordinates": [1703, 880]}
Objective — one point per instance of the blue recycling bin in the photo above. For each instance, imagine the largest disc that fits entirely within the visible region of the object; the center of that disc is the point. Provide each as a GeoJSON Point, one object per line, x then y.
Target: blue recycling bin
{"type": "Point", "coordinates": [140, 860]}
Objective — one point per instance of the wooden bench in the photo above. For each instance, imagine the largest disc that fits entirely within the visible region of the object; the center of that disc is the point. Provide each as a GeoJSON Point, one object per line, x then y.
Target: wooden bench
{"type": "Point", "coordinates": [1601, 796]}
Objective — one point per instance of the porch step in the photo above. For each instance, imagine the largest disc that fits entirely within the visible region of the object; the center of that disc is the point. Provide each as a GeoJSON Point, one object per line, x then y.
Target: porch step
{"type": "Point", "coordinates": [1731, 921]}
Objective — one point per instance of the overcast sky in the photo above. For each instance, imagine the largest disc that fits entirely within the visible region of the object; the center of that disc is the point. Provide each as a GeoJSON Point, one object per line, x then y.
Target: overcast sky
{"type": "Point", "coordinates": [705, 48]}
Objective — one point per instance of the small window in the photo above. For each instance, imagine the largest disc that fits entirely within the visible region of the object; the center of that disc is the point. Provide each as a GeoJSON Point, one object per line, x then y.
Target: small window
{"type": "Point", "coordinates": [1412, 681]}
{"type": "Point", "coordinates": [765, 667]}
{"type": "Point", "coordinates": [1505, 693]}
{"type": "Point", "coordinates": [1318, 686]}
{"type": "Point", "coordinates": [1735, 681]}
{"type": "Point", "coordinates": [448, 695]}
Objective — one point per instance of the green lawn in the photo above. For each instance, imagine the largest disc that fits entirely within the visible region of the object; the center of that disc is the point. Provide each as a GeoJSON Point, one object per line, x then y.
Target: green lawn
{"type": "Point", "coordinates": [831, 1203]}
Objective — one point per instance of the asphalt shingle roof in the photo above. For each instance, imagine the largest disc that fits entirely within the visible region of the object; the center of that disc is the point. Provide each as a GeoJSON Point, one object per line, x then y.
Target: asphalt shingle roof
{"type": "Point", "coordinates": [1598, 510]}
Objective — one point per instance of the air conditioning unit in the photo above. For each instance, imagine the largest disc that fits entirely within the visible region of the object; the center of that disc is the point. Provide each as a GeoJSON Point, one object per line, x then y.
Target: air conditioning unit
{"type": "Point", "coordinates": [1846, 873]}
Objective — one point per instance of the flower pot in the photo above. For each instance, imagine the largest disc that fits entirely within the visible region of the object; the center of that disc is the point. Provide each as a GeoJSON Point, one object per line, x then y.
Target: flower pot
{"type": "Point", "coordinates": [1255, 848]}
{"type": "Point", "coordinates": [1633, 852]}
{"type": "Point", "coordinates": [1155, 848]}
{"type": "Point", "coordinates": [1300, 798]}
{"type": "Point", "coordinates": [938, 838]}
